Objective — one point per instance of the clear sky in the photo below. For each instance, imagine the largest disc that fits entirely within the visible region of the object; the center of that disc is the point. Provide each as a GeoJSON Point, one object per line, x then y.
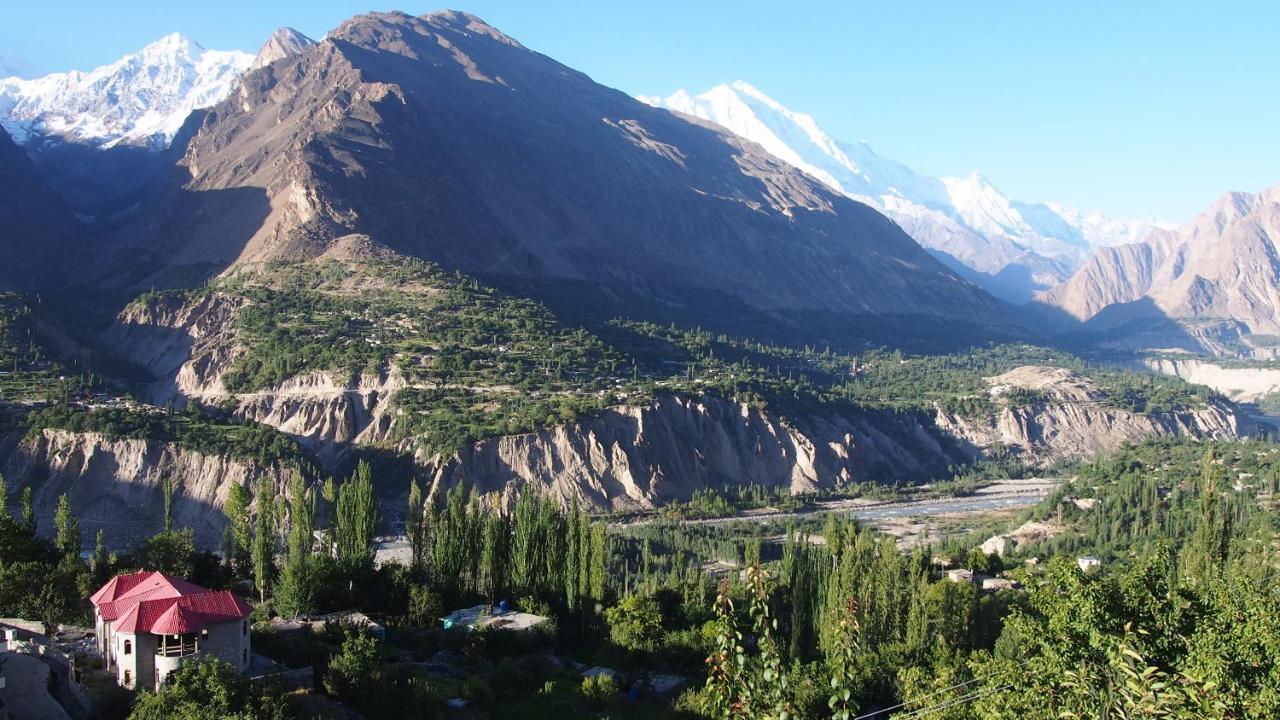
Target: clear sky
{"type": "Point", "coordinates": [1139, 109]}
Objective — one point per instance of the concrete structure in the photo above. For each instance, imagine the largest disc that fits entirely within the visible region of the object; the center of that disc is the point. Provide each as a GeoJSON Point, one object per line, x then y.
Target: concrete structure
{"type": "Point", "coordinates": [483, 616]}
{"type": "Point", "coordinates": [960, 575]}
{"type": "Point", "coordinates": [148, 624]}
{"type": "Point", "coordinates": [997, 584]}
{"type": "Point", "coordinates": [1087, 563]}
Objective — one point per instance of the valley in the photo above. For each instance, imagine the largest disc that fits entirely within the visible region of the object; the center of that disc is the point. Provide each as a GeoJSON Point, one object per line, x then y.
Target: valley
{"type": "Point", "coordinates": [475, 388]}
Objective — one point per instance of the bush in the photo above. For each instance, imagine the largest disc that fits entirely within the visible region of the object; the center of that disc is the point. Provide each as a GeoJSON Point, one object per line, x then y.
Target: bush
{"type": "Point", "coordinates": [599, 690]}
{"type": "Point", "coordinates": [356, 669]}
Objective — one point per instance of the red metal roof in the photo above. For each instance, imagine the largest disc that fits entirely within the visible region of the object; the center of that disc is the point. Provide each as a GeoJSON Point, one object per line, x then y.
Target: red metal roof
{"type": "Point", "coordinates": [158, 603]}
{"type": "Point", "coordinates": [174, 616]}
{"type": "Point", "coordinates": [124, 591]}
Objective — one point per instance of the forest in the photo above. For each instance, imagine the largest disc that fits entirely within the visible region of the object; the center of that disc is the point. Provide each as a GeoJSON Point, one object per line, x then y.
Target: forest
{"type": "Point", "coordinates": [813, 617]}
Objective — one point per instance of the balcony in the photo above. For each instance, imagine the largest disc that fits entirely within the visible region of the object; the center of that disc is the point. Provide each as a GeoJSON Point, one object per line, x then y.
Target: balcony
{"type": "Point", "coordinates": [177, 646]}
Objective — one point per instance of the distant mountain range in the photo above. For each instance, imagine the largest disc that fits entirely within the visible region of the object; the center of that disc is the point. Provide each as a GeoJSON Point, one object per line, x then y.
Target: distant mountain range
{"type": "Point", "coordinates": [1211, 285]}
{"type": "Point", "coordinates": [460, 151]}
{"type": "Point", "coordinates": [1011, 248]}
{"type": "Point", "coordinates": [141, 99]}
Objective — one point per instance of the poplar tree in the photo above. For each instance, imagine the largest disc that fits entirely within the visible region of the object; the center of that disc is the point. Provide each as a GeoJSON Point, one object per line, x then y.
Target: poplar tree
{"type": "Point", "coordinates": [414, 527]}
{"type": "Point", "coordinates": [28, 510]}
{"type": "Point", "coordinates": [67, 526]}
{"type": "Point", "coordinates": [295, 592]}
{"type": "Point", "coordinates": [357, 520]}
{"type": "Point", "coordinates": [263, 537]}
{"type": "Point", "coordinates": [236, 509]}
{"type": "Point", "coordinates": [4, 499]}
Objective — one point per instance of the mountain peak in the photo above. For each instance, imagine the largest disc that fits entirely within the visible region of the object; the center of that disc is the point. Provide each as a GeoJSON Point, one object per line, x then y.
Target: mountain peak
{"type": "Point", "coordinates": [142, 98]}
{"type": "Point", "coordinates": [170, 44]}
{"type": "Point", "coordinates": [283, 43]}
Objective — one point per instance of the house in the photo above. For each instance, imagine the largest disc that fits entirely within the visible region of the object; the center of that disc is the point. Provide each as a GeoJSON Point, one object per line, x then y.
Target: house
{"type": "Point", "coordinates": [1087, 563]}
{"type": "Point", "coordinates": [149, 623]}
{"type": "Point", "coordinates": [960, 575]}
{"type": "Point", "coordinates": [997, 584]}
{"type": "Point", "coordinates": [484, 616]}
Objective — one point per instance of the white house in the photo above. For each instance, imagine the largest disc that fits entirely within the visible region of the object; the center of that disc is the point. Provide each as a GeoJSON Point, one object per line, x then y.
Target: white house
{"type": "Point", "coordinates": [1087, 562]}
{"type": "Point", "coordinates": [149, 623]}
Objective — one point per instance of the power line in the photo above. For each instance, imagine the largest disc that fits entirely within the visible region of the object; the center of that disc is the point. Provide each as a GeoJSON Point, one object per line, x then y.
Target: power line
{"type": "Point", "coordinates": [936, 693]}
{"type": "Point", "coordinates": [950, 703]}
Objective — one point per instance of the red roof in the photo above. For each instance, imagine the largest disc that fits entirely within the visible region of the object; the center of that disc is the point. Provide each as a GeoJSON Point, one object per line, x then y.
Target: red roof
{"type": "Point", "coordinates": [157, 603]}
{"type": "Point", "coordinates": [174, 616]}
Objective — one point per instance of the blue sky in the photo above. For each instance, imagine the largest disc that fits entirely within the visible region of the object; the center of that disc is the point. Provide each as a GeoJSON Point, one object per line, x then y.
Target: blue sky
{"type": "Point", "coordinates": [1139, 109]}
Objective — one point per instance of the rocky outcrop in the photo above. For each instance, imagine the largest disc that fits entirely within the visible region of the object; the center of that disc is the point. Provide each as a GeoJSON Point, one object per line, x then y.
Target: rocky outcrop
{"type": "Point", "coordinates": [188, 344]}
{"type": "Point", "coordinates": [639, 457]}
{"type": "Point", "coordinates": [115, 484]}
{"type": "Point", "coordinates": [1073, 422]}
{"type": "Point", "coordinates": [1243, 384]}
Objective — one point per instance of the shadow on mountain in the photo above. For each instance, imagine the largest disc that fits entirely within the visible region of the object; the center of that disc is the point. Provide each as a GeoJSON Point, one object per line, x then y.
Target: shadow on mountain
{"type": "Point", "coordinates": [1013, 284]}
{"type": "Point", "coordinates": [1131, 327]}
{"type": "Point", "coordinates": [577, 302]}
{"type": "Point", "coordinates": [100, 183]}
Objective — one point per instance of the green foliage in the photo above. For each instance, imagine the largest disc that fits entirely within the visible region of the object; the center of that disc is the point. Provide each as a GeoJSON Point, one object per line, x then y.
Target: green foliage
{"type": "Point", "coordinates": [634, 623]}
{"type": "Point", "coordinates": [209, 688]}
{"type": "Point", "coordinates": [191, 429]}
{"type": "Point", "coordinates": [356, 670]}
{"type": "Point", "coordinates": [357, 520]}
{"type": "Point", "coordinates": [172, 552]}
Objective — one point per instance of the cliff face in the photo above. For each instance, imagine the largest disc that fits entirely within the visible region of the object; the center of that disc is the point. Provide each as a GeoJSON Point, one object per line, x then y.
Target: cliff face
{"type": "Point", "coordinates": [116, 484]}
{"type": "Point", "coordinates": [1073, 422]}
{"type": "Point", "coordinates": [638, 457]}
{"type": "Point", "coordinates": [1207, 286]}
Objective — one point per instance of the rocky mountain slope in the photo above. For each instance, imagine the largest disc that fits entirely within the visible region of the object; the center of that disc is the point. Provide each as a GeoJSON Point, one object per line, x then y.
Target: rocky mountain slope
{"type": "Point", "coordinates": [1211, 285]}
{"type": "Point", "coordinates": [34, 221]}
{"type": "Point", "coordinates": [140, 99]}
{"type": "Point", "coordinates": [116, 484]}
{"type": "Point", "coordinates": [1069, 419]}
{"type": "Point", "coordinates": [1011, 248]}
{"type": "Point", "coordinates": [283, 43]}
{"type": "Point", "coordinates": [439, 137]}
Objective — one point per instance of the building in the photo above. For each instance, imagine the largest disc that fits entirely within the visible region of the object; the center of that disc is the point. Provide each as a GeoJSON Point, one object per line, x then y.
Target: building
{"type": "Point", "coordinates": [1087, 563]}
{"type": "Point", "coordinates": [487, 616]}
{"type": "Point", "coordinates": [148, 624]}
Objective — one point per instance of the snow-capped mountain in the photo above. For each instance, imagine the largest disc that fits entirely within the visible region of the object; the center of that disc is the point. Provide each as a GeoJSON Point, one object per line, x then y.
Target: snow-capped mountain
{"type": "Point", "coordinates": [141, 99]}
{"type": "Point", "coordinates": [1012, 248]}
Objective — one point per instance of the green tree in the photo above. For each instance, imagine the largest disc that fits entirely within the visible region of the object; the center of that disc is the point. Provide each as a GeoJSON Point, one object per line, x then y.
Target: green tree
{"type": "Point", "coordinates": [357, 668]}
{"type": "Point", "coordinates": [264, 537]}
{"type": "Point", "coordinates": [171, 551]}
{"type": "Point", "coordinates": [295, 593]}
{"type": "Point", "coordinates": [28, 509]}
{"type": "Point", "coordinates": [635, 622]}
{"type": "Point", "coordinates": [4, 499]}
{"type": "Point", "coordinates": [207, 688]}
{"type": "Point", "coordinates": [236, 510]}
{"type": "Point", "coordinates": [357, 520]}
{"type": "Point", "coordinates": [67, 526]}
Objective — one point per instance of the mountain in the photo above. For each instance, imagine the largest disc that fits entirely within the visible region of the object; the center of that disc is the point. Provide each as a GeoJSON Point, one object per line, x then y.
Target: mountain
{"type": "Point", "coordinates": [1011, 248]}
{"type": "Point", "coordinates": [1211, 285]}
{"type": "Point", "coordinates": [141, 99]}
{"type": "Point", "coordinates": [283, 43]}
{"type": "Point", "coordinates": [441, 138]}
{"type": "Point", "coordinates": [33, 219]}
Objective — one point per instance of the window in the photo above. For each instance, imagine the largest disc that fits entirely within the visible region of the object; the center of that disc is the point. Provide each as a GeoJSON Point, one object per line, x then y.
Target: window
{"type": "Point", "coordinates": [204, 634]}
{"type": "Point", "coordinates": [128, 648]}
{"type": "Point", "coordinates": [127, 679]}
{"type": "Point", "coordinates": [244, 627]}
